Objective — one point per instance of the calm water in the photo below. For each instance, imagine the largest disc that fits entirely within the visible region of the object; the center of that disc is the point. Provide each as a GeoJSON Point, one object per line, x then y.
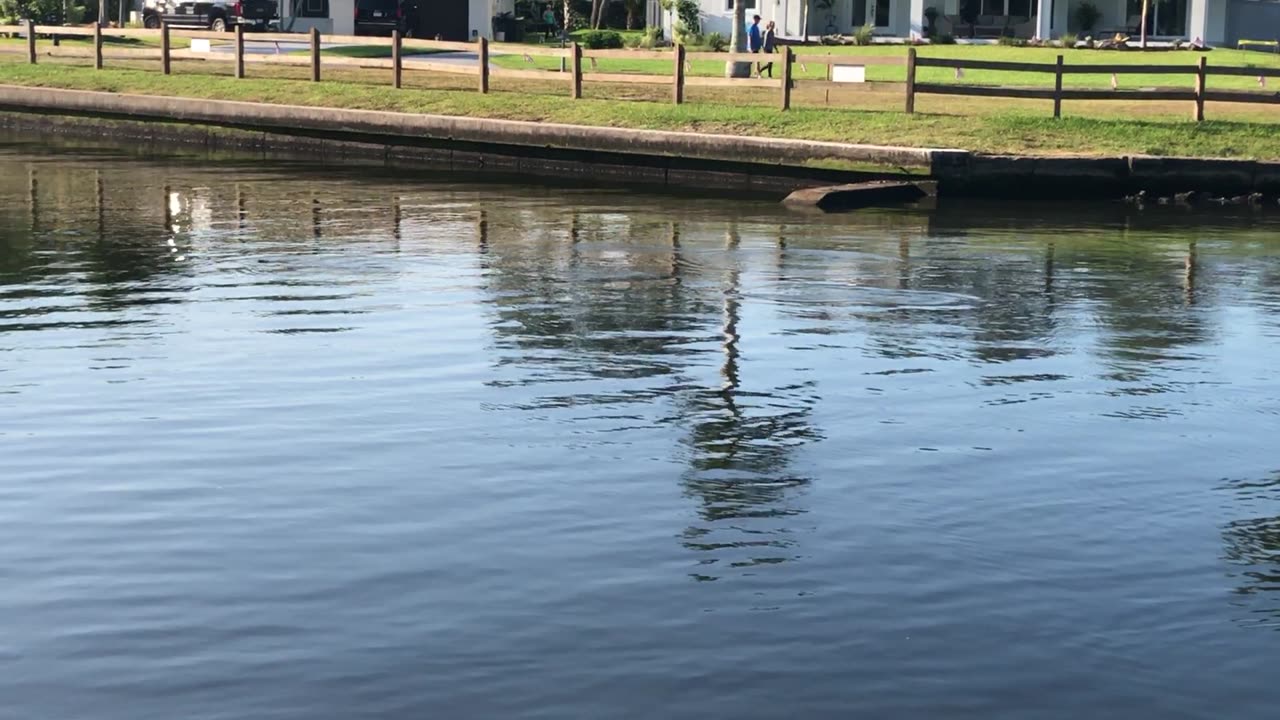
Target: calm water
{"type": "Point", "coordinates": [287, 443]}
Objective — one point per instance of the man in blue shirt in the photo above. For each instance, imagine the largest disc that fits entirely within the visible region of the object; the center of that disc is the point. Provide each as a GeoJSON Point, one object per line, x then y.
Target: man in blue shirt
{"type": "Point", "coordinates": [754, 41]}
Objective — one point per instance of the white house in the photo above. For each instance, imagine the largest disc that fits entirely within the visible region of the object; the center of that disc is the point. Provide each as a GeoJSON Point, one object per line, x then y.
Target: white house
{"type": "Point", "coordinates": [450, 19]}
{"type": "Point", "coordinates": [1214, 22]}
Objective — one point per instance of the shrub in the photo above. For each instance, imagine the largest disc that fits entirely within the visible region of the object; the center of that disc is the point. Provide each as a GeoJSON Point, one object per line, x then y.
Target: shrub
{"type": "Point", "coordinates": [1069, 40]}
{"type": "Point", "coordinates": [601, 40]}
{"type": "Point", "coordinates": [1086, 16]}
{"type": "Point", "coordinates": [945, 39]}
{"type": "Point", "coordinates": [42, 11]}
{"type": "Point", "coordinates": [1012, 41]}
{"type": "Point", "coordinates": [864, 35]}
{"type": "Point", "coordinates": [652, 37]}
{"type": "Point", "coordinates": [717, 42]}
{"type": "Point", "coordinates": [686, 35]}
{"type": "Point", "coordinates": [687, 13]}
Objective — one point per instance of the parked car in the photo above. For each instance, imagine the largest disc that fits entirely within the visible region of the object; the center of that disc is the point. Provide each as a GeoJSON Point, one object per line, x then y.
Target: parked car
{"type": "Point", "coordinates": [381, 17]}
{"type": "Point", "coordinates": [217, 15]}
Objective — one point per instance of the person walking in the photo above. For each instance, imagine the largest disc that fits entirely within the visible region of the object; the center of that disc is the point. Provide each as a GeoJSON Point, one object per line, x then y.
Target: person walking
{"type": "Point", "coordinates": [769, 45]}
{"type": "Point", "coordinates": [753, 35]}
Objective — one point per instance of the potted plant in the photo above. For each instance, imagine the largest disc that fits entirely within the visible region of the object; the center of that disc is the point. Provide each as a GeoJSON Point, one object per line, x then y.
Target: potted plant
{"type": "Point", "coordinates": [931, 14]}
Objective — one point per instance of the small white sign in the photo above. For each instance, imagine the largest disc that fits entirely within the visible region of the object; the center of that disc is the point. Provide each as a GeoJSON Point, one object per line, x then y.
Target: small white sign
{"type": "Point", "coordinates": [198, 45]}
{"type": "Point", "coordinates": [849, 73]}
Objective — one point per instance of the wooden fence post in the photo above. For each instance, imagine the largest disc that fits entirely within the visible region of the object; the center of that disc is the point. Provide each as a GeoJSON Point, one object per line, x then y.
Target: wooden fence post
{"type": "Point", "coordinates": [239, 52]}
{"type": "Point", "coordinates": [786, 77]}
{"type": "Point", "coordinates": [576, 92]}
{"type": "Point", "coordinates": [1201, 72]}
{"type": "Point", "coordinates": [1057, 90]}
{"type": "Point", "coordinates": [165, 65]}
{"type": "Point", "coordinates": [677, 90]}
{"type": "Point", "coordinates": [484, 64]}
{"type": "Point", "coordinates": [315, 54]}
{"type": "Point", "coordinates": [397, 64]}
{"type": "Point", "coordinates": [31, 41]}
{"type": "Point", "coordinates": [911, 81]}
{"type": "Point", "coordinates": [97, 46]}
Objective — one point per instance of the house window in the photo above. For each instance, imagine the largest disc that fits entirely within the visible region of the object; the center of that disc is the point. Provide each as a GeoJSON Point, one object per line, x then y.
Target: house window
{"type": "Point", "coordinates": [750, 5]}
{"type": "Point", "coordinates": [310, 8]}
{"type": "Point", "coordinates": [1164, 17]}
{"type": "Point", "coordinates": [1012, 8]}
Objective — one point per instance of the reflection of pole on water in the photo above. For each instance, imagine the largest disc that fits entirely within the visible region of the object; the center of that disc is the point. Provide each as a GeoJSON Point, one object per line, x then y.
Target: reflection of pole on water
{"type": "Point", "coordinates": [731, 315]}
{"type": "Point", "coordinates": [99, 204]}
{"type": "Point", "coordinates": [575, 228]}
{"type": "Point", "coordinates": [168, 209]}
{"type": "Point", "coordinates": [395, 219]}
{"type": "Point", "coordinates": [315, 218]}
{"type": "Point", "coordinates": [1189, 274]}
{"type": "Point", "coordinates": [33, 203]}
{"type": "Point", "coordinates": [1049, 252]}
{"type": "Point", "coordinates": [242, 212]}
{"type": "Point", "coordinates": [482, 232]}
{"type": "Point", "coordinates": [575, 238]}
{"type": "Point", "coordinates": [904, 263]}
{"type": "Point", "coordinates": [675, 250]}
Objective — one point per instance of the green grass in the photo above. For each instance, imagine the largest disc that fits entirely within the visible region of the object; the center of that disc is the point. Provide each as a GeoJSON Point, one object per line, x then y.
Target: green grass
{"type": "Point", "coordinates": [120, 42]}
{"type": "Point", "coordinates": [1001, 127]}
{"type": "Point", "coordinates": [889, 73]}
{"type": "Point", "coordinates": [628, 36]}
{"type": "Point", "coordinates": [367, 51]}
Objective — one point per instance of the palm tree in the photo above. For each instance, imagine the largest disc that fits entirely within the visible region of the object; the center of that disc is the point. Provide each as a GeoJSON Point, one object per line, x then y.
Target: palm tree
{"type": "Point", "coordinates": [739, 41]}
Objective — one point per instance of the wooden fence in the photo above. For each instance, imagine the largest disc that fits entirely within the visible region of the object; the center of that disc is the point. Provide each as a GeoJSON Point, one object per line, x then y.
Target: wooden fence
{"type": "Point", "coordinates": [572, 60]}
{"type": "Point", "coordinates": [1196, 95]}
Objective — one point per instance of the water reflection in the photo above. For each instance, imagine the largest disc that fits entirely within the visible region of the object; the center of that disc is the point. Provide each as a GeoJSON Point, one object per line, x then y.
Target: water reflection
{"type": "Point", "coordinates": [1253, 548]}
{"type": "Point", "coordinates": [740, 452]}
{"type": "Point", "coordinates": [732, 344]}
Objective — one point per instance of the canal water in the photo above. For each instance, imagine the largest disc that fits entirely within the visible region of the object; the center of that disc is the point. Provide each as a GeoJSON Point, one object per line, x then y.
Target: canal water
{"type": "Point", "coordinates": [279, 441]}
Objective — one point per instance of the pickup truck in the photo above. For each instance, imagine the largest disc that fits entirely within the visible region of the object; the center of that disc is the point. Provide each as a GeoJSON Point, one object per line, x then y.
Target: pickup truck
{"type": "Point", "coordinates": [217, 15]}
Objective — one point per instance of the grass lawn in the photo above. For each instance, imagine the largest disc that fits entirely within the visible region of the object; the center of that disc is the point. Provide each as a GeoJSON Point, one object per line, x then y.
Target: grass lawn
{"type": "Point", "coordinates": [109, 41]}
{"type": "Point", "coordinates": [628, 36]}
{"type": "Point", "coordinates": [1005, 127]}
{"type": "Point", "coordinates": [889, 73]}
{"type": "Point", "coordinates": [367, 51]}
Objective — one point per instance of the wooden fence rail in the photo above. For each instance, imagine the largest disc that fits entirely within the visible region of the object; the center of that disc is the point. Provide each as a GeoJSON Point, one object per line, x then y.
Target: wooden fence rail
{"type": "Point", "coordinates": [1196, 95]}
{"type": "Point", "coordinates": [572, 71]}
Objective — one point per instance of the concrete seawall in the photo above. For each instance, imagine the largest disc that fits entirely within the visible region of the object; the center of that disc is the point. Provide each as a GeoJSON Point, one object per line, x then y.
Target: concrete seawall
{"type": "Point", "coordinates": [715, 163]}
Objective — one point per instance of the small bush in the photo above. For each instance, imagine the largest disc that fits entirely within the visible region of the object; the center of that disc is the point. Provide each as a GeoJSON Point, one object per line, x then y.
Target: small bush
{"type": "Point", "coordinates": [717, 42]}
{"type": "Point", "coordinates": [688, 14]}
{"type": "Point", "coordinates": [652, 38]}
{"type": "Point", "coordinates": [864, 35]}
{"type": "Point", "coordinates": [1086, 16]}
{"type": "Point", "coordinates": [601, 40]}
{"type": "Point", "coordinates": [42, 11]}
{"type": "Point", "coordinates": [1012, 41]}
{"type": "Point", "coordinates": [1069, 40]}
{"type": "Point", "coordinates": [945, 39]}
{"type": "Point", "coordinates": [687, 36]}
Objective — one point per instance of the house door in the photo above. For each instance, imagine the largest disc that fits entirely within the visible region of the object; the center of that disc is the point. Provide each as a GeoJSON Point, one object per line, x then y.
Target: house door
{"type": "Point", "coordinates": [875, 13]}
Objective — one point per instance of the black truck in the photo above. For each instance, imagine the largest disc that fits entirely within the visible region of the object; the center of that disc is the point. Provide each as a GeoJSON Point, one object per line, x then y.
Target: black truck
{"type": "Point", "coordinates": [217, 15]}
